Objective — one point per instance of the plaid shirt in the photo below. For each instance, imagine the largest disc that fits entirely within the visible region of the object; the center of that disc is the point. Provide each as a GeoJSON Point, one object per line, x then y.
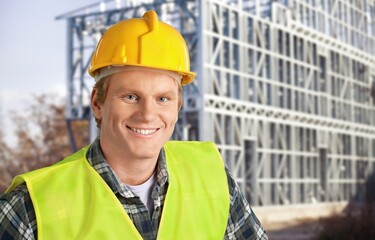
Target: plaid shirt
{"type": "Point", "coordinates": [18, 221]}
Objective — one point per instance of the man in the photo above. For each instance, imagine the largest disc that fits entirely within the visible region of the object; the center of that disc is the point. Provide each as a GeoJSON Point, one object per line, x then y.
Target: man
{"type": "Point", "coordinates": [169, 190]}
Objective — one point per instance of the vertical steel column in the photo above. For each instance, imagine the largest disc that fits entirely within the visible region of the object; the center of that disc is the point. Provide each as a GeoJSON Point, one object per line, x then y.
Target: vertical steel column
{"type": "Point", "coordinates": [201, 74]}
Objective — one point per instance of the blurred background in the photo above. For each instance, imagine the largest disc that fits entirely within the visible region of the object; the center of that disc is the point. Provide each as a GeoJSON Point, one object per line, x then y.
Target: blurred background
{"type": "Point", "coordinates": [285, 88]}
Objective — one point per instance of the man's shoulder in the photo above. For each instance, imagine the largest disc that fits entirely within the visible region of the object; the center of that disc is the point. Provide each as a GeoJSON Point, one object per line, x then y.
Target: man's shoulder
{"type": "Point", "coordinates": [17, 216]}
{"type": "Point", "coordinates": [15, 198]}
{"type": "Point", "coordinates": [233, 187]}
{"type": "Point", "coordinates": [242, 222]}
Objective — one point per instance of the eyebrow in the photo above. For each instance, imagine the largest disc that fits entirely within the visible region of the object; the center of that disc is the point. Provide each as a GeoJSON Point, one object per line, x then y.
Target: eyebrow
{"type": "Point", "coordinates": [138, 92]}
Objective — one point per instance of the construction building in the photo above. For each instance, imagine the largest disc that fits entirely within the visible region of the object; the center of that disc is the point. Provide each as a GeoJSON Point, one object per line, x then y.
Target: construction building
{"type": "Point", "coordinates": [286, 89]}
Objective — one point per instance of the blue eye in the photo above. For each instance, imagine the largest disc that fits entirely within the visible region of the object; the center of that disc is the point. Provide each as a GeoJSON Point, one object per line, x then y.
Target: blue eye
{"type": "Point", "coordinates": [130, 97]}
{"type": "Point", "coordinates": [163, 99]}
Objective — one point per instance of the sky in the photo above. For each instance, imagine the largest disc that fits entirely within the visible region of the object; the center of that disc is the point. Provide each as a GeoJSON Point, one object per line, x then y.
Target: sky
{"type": "Point", "coordinates": [32, 52]}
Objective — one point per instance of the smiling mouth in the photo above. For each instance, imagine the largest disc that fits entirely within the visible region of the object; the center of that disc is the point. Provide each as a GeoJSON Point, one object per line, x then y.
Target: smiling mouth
{"type": "Point", "coordinates": [143, 131]}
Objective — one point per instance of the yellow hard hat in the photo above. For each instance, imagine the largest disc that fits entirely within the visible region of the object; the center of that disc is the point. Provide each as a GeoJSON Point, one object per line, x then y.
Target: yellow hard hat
{"type": "Point", "coordinates": [145, 42]}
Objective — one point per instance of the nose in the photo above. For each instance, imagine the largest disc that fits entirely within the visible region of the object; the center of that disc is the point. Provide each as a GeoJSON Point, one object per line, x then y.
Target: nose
{"type": "Point", "coordinates": [147, 111]}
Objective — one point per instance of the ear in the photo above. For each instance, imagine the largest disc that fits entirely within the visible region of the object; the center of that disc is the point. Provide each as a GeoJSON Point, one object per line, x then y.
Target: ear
{"type": "Point", "coordinates": [95, 106]}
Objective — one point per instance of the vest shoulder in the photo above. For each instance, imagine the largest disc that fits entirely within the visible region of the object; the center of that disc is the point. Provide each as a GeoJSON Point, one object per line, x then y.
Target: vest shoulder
{"type": "Point", "coordinates": [195, 146]}
{"type": "Point", "coordinates": [73, 157]}
{"type": "Point", "coordinates": [191, 144]}
{"type": "Point", "coordinates": [199, 155]}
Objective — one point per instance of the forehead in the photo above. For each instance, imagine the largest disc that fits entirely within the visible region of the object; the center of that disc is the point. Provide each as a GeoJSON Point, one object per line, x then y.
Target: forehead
{"type": "Point", "coordinates": [142, 80]}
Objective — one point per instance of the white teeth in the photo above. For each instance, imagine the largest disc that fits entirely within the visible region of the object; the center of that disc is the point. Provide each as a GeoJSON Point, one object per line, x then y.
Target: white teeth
{"type": "Point", "coordinates": [144, 131]}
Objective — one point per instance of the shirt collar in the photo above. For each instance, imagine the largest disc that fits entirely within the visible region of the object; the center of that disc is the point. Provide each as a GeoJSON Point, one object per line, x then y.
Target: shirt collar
{"type": "Point", "coordinates": [96, 159]}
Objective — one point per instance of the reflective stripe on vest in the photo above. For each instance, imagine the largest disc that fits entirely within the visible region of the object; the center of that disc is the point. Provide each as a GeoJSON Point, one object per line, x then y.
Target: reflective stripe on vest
{"type": "Point", "coordinates": [72, 201]}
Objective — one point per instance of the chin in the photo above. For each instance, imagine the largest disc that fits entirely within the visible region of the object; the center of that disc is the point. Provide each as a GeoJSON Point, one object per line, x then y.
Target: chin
{"type": "Point", "coordinates": [146, 152]}
{"type": "Point", "coordinates": [147, 155]}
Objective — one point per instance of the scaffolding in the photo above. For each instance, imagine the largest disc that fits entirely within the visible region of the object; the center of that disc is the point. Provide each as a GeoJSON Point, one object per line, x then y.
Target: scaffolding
{"type": "Point", "coordinates": [286, 89]}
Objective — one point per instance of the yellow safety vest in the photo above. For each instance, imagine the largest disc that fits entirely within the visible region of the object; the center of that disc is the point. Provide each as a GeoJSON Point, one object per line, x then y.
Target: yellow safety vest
{"type": "Point", "coordinates": [72, 201]}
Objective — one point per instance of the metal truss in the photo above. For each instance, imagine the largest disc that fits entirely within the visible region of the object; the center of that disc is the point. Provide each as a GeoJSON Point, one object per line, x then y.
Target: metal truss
{"type": "Point", "coordinates": [348, 21]}
{"type": "Point", "coordinates": [289, 104]}
{"type": "Point", "coordinates": [286, 89]}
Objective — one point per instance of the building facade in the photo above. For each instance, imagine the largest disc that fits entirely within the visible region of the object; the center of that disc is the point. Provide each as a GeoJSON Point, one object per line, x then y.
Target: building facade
{"type": "Point", "coordinates": [286, 89]}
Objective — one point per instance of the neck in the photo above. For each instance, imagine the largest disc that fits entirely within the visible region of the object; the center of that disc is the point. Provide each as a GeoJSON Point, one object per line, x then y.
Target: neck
{"type": "Point", "coordinates": [130, 170]}
{"type": "Point", "coordinates": [133, 172]}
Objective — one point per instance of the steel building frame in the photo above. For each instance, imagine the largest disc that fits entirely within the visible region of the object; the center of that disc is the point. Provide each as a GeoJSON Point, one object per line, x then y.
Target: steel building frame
{"type": "Point", "coordinates": [284, 88]}
{"type": "Point", "coordinates": [290, 104]}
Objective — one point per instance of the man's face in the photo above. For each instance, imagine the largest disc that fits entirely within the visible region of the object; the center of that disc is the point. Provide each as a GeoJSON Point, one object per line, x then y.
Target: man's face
{"type": "Point", "coordinates": [139, 113]}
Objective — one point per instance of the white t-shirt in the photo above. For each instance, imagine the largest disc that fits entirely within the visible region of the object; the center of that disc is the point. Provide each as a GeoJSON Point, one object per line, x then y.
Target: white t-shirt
{"type": "Point", "coordinates": [144, 192]}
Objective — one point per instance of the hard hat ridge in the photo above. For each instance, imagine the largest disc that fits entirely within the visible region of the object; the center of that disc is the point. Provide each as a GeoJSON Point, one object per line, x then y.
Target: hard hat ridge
{"type": "Point", "coordinates": [151, 18]}
{"type": "Point", "coordinates": [145, 42]}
